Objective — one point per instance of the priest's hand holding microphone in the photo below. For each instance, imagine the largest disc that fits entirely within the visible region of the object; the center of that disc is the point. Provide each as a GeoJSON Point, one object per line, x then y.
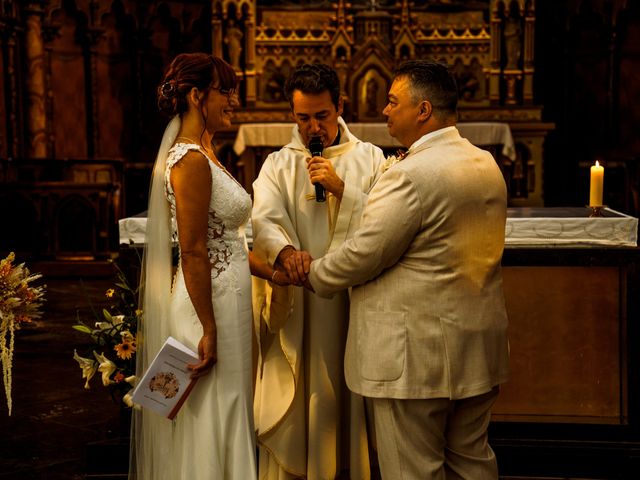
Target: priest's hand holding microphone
{"type": "Point", "coordinates": [321, 172]}
{"type": "Point", "coordinates": [316, 147]}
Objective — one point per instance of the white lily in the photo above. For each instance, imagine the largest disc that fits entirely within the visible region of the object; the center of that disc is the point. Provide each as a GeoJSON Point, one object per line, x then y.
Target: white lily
{"type": "Point", "coordinates": [103, 325]}
{"type": "Point", "coordinates": [128, 399]}
{"type": "Point", "coordinates": [131, 380]}
{"type": "Point", "coordinates": [117, 319]}
{"type": "Point", "coordinates": [88, 367]}
{"type": "Point", "coordinates": [127, 336]}
{"type": "Point", "coordinates": [106, 367]}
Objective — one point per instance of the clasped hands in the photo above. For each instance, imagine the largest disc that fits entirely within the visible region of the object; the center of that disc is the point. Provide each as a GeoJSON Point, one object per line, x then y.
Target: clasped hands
{"type": "Point", "coordinates": [296, 264]}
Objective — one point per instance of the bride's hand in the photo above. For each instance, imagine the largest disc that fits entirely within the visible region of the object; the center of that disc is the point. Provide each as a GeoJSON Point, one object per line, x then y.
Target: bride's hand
{"type": "Point", "coordinates": [208, 353]}
{"type": "Point", "coordinates": [281, 278]}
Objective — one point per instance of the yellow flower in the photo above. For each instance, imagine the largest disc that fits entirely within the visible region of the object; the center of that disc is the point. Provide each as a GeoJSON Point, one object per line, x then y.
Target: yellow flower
{"type": "Point", "coordinates": [106, 367]}
{"type": "Point", "coordinates": [110, 293]}
{"type": "Point", "coordinates": [5, 264]}
{"type": "Point", "coordinates": [88, 367]}
{"type": "Point", "coordinates": [125, 350]}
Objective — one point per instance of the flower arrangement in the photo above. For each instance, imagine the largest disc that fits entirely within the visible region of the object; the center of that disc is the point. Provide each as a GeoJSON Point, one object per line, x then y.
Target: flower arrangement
{"type": "Point", "coordinates": [113, 349]}
{"type": "Point", "coordinates": [19, 304]}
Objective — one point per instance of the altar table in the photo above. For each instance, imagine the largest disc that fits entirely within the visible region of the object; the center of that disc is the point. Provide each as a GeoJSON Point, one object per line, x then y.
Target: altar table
{"type": "Point", "coordinates": [279, 134]}
{"type": "Point", "coordinates": [528, 227]}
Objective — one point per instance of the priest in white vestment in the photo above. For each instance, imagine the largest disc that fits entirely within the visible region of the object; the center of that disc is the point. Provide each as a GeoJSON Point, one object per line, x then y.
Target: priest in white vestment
{"type": "Point", "coordinates": [308, 423]}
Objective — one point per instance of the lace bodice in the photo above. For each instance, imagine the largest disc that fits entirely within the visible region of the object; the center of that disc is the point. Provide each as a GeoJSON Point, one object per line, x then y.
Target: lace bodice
{"type": "Point", "coordinates": [229, 211]}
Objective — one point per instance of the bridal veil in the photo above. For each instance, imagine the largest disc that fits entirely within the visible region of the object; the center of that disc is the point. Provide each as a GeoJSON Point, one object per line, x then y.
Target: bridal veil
{"type": "Point", "coordinates": [155, 289]}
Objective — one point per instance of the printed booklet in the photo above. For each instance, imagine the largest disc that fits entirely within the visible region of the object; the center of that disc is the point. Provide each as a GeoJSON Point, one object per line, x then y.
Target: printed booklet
{"type": "Point", "coordinates": [167, 382]}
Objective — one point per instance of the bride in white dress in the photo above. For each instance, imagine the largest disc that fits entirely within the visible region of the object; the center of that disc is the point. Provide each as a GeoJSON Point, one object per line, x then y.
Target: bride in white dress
{"type": "Point", "coordinates": [206, 304]}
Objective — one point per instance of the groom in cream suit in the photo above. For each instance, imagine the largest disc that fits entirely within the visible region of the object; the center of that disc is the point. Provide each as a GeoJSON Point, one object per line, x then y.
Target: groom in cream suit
{"type": "Point", "coordinates": [427, 338]}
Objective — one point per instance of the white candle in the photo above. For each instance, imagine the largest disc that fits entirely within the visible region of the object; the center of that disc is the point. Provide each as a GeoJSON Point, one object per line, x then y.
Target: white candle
{"type": "Point", "coordinates": [597, 181]}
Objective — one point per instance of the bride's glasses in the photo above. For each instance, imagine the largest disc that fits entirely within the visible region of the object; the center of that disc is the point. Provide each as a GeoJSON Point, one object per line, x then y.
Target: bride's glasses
{"type": "Point", "coordinates": [227, 92]}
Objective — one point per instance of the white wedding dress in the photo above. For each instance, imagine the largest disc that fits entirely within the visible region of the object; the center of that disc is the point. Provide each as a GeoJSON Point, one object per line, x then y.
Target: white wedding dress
{"type": "Point", "coordinates": [212, 437]}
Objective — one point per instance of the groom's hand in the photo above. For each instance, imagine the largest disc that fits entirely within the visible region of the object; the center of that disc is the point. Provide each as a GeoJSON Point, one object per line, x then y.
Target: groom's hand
{"type": "Point", "coordinates": [296, 264]}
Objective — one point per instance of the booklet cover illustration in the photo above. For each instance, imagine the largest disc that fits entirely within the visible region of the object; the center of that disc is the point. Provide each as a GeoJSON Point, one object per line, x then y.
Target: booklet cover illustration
{"type": "Point", "coordinates": [167, 382]}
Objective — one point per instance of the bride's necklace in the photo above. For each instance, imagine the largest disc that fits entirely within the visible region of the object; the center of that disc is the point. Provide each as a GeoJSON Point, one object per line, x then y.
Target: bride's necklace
{"type": "Point", "coordinates": [191, 140]}
{"type": "Point", "coordinates": [212, 157]}
{"type": "Point", "coordinates": [187, 138]}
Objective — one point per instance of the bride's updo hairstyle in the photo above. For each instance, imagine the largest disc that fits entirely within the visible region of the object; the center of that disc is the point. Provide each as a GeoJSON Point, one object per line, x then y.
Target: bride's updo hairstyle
{"type": "Point", "coordinates": [188, 70]}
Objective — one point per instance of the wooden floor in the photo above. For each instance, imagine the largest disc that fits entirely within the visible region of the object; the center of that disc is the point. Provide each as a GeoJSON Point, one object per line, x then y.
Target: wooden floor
{"type": "Point", "coordinates": [59, 430]}
{"type": "Point", "coordinates": [54, 418]}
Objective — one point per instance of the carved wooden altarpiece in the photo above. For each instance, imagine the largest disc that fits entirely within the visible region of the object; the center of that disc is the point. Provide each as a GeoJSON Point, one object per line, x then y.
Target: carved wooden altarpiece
{"type": "Point", "coordinates": [489, 45]}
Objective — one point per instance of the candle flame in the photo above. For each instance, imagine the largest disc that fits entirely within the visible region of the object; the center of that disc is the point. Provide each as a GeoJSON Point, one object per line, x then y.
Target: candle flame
{"type": "Point", "coordinates": [597, 163]}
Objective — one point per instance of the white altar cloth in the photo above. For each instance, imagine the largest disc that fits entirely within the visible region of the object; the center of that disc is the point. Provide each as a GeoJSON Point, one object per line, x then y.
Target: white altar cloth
{"type": "Point", "coordinates": [526, 227]}
{"type": "Point", "coordinates": [132, 230]}
{"type": "Point", "coordinates": [569, 227]}
{"type": "Point", "coordinates": [278, 134]}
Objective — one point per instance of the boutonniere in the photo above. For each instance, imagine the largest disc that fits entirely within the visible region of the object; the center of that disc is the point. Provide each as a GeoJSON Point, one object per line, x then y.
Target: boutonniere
{"type": "Point", "coordinates": [393, 159]}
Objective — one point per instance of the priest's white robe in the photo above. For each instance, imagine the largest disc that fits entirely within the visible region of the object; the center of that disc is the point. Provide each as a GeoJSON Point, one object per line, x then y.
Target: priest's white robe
{"type": "Point", "coordinates": [308, 423]}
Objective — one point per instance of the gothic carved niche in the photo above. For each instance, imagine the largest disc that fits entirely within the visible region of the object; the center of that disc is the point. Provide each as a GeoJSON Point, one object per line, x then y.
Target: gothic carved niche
{"type": "Point", "coordinates": [372, 93]}
{"type": "Point", "coordinates": [234, 35]}
{"type": "Point", "coordinates": [471, 80]}
{"type": "Point", "coordinates": [273, 78]}
{"type": "Point", "coordinates": [513, 41]}
{"type": "Point", "coordinates": [233, 40]}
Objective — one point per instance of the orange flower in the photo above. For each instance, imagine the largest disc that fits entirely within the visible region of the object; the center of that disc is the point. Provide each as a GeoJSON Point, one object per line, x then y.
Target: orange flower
{"type": "Point", "coordinates": [23, 318]}
{"type": "Point", "coordinates": [109, 293]}
{"type": "Point", "coordinates": [125, 350]}
{"type": "Point", "coordinates": [118, 377]}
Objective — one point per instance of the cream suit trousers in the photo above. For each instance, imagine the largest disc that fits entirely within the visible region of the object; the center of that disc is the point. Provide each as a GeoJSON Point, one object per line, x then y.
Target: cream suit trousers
{"type": "Point", "coordinates": [435, 439]}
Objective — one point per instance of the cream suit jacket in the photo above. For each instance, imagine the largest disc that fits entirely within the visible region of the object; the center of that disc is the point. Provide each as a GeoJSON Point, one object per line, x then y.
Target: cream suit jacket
{"type": "Point", "coordinates": [427, 316]}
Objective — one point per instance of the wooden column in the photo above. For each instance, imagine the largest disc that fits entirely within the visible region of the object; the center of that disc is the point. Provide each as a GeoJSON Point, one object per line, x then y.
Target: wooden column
{"type": "Point", "coordinates": [94, 35]}
{"type": "Point", "coordinates": [529, 41]}
{"type": "Point", "coordinates": [216, 28]}
{"type": "Point", "coordinates": [13, 111]}
{"type": "Point", "coordinates": [250, 46]}
{"type": "Point", "coordinates": [34, 48]}
{"type": "Point", "coordinates": [496, 48]}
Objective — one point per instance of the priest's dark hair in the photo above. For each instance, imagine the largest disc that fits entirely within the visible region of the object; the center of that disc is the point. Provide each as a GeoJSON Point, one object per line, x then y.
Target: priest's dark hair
{"type": "Point", "coordinates": [313, 78]}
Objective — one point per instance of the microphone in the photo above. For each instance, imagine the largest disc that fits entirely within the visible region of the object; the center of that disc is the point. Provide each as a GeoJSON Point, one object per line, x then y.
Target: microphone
{"type": "Point", "coordinates": [316, 147]}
